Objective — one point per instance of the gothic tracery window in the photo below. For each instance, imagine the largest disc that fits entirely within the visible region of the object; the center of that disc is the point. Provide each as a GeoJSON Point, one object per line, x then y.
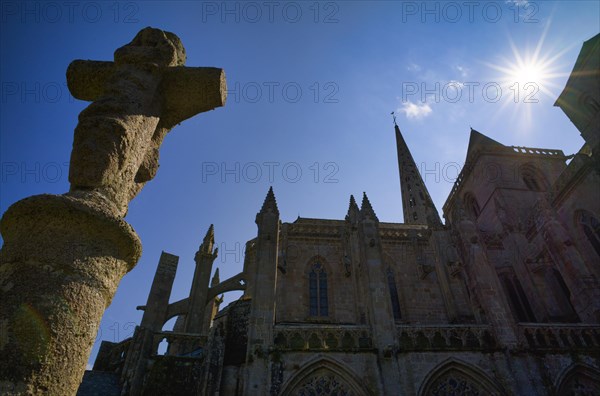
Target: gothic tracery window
{"type": "Point", "coordinates": [455, 385]}
{"type": "Point", "coordinates": [457, 380]}
{"type": "Point", "coordinates": [317, 280]}
{"type": "Point", "coordinates": [591, 228]}
{"type": "Point", "coordinates": [324, 385]}
{"type": "Point", "coordinates": [580, 381]}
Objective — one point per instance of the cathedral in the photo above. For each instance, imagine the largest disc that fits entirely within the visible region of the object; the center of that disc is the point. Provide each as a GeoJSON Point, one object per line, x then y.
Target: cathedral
{"type": "Point", "coordinates": [501, 298]}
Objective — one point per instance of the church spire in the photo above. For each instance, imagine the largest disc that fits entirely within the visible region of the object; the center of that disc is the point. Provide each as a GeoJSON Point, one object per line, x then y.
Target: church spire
{"type": "Point", "coordinates": [417, 205]}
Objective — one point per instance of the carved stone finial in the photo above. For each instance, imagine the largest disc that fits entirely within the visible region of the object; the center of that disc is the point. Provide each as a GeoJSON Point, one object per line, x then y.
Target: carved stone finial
{"type": "Point", "coordinates": [353, 210]}
{"type": "Point", "coordinates": [207, 245]}
{"type": "Point", "coordinates": [366, 210]}
{"type": "Point", "coordinates": [215, 279]}
{"type": "Point", "coordinates": [270, 204]}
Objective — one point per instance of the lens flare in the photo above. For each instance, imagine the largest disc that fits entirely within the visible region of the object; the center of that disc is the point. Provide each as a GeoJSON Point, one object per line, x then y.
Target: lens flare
{"type": "Point", "coordinates": [528, 77]}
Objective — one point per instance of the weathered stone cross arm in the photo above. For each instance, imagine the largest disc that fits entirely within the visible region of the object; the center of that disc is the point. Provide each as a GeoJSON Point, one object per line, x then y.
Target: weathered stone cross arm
{"type": "Point", "coordinates": [184, 91]}
{"type": "Point", "coordinates": [136, 100]}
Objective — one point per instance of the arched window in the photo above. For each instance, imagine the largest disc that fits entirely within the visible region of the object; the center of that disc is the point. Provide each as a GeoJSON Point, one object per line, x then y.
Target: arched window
{"type": "Point", "coordinates": [591, 228]}
{"type": "Point", "coordinates": [516, 297]}
{"type": "Point", "coordinates": [471, 205]}
{"type": "Point", "coordinates": [533, 178]}
{"type": "Point", "coordinates": [563, 299]}
{"type": "Point", "coordinates": [394, 295]}
{"type": "Point", "coordinates": [317, 283]}
{"type": "Point", "coordinates": [458, 378]}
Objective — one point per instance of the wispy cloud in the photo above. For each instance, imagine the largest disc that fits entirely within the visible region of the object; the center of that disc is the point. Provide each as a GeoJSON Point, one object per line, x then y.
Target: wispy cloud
{"type": "Point", "coordinates": [464, 72]}
{"type": "Point", "coordinates": [519, 3]}
{"type": "Point", "coordinates": [413, 67]}
{"type": "Point", "coordinates": [415, 111]}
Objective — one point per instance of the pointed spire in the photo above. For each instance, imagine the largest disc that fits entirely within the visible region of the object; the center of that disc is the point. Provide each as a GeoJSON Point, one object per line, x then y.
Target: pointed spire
{"type": "Point", "coordinates": [353, 210]}
{"type": "Point", "coordinates": [270, 204]}
{"type": "Point", "coordinates": [417, 205]}
{"type": "Point", "coordinates": [366, 210]}
{"type": "Point", "coordinates": [210, 235]}
{"type": "Point", "coordinates": [208, 242]}
{"type": "Point", "coordinates": [215, 279]}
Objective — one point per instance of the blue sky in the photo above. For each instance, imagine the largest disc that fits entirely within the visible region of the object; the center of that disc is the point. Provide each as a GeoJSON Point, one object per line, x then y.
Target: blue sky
{"type": "Point", "coordinates": [312, 86]}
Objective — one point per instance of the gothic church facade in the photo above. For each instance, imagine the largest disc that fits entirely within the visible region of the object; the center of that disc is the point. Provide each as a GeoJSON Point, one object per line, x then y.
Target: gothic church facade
{"type": "Point", "coordinates": [501, 299]}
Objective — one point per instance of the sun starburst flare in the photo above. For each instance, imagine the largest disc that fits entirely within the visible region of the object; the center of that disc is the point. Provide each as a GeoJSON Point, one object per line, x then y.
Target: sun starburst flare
{"type": "Point", "coordinates": [529, 76]}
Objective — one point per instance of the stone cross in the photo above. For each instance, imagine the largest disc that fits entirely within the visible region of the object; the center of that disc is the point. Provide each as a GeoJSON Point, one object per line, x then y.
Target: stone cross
{"type": "Point", "coordinates": [136, 100]}
{"type": "Point", "coordinates": [64, 255]}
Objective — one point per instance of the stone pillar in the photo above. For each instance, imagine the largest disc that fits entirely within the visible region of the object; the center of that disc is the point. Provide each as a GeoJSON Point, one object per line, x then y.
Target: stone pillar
{"type": "Point", "coordinates": [155, 315]}
{"type": "Point", "coordinates": [381, 318]}
{"type": "Point", "coordinates": [155, 311]}
{"type": "Point", "coordinates": [60, 266]}
{"type": "Point", "coordinates": [198, 295]}
{"type": "Point", "coordinates": [352, 259]}
{"type": "Point", "coordinates": [262, 278]}
{"type": "Point", "coordinates": [483, 279]}
{"type": "Point", "coordinates": [440, 242]}
{"type": "Point", "coordinates": [212, 308]}
{"type": "Point", "coordinates": [585, 295]}
{"type": "Point", "coordinates": [64, 256]}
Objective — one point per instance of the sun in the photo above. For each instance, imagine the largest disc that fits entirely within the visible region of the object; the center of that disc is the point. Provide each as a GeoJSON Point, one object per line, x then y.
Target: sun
{"type": "Point", "coordinates": [527, 77]}
{"type": "Point", "coordinates": [533, 73]}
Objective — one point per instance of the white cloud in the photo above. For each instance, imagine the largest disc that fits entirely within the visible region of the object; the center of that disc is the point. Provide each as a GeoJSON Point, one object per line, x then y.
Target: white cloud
{"type": "Point", "coordinates": [518, 3]}
{"type": "Point", "coordinates": [456, 84]}
{"type": "Point", "coordinates": [413, 67]}
{"type": "Point", "coordinates": [415, 110]}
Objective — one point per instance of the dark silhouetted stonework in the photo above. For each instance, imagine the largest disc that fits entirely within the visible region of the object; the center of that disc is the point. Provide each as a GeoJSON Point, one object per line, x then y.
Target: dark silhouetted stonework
{"type": "Point", "coordinates": [501, 299]}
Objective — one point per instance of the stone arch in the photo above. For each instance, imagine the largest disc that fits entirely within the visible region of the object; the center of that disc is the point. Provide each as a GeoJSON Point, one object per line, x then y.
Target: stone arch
{"type": "Point", "coordinates": [320, 259]}
{"type": "Point", "coordinates": [471, 204]}
{"type": "Point", "coordinates": [578, 379]}
{"type": "Point", "coordinates": [455, 377]}
{"type": "Point", "coordinates": [533, 178]}
{"type": "Point", "coordinates": [327, 375]}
